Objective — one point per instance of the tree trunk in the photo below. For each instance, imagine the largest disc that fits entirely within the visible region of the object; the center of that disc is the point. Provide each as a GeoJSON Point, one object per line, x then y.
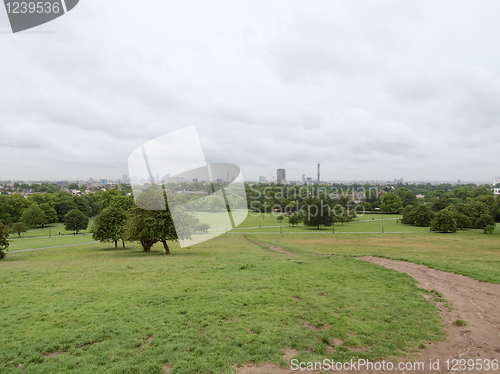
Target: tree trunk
{"type": "Point", "coordinates": [123, 242]}
{"type": "Point", "coordinates": [116, 244]}
{"type": "Point", "coordinates": [165, 245]}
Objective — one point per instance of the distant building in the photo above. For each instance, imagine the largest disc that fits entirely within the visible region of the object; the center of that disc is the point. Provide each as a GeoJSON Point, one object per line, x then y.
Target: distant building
{"type": "Point", "coordinates": [318, 174]}
{"type": "Point", "coordinates": [496, 191]}
{"type": "Point", "coordinates": [309, 181]}
{"type": "Point", "coordinates": [103, 181]}
{"type": "Point", "coordinates": [195, 180]}
{"type": "Point", "coordinates": [220, 181]}
{"type": "Point", "coordinates": [262, 179]}
{"type": "Point", "coordinates": [281, 176]}
{"type": "Point", "coordinates": [496, 181]}
{"type": "Point", "coordinates": [125, 178]}
{"type": "Point", "coordinates": [303, 178]}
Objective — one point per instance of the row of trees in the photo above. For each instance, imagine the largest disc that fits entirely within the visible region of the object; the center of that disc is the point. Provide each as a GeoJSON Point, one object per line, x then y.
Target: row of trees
{"type": "Point", "coordinates": [147, 227]}
{"type": "Point", "coordinates": [314, 212]}
{"type": "Point", "coordinates": [476, 215]}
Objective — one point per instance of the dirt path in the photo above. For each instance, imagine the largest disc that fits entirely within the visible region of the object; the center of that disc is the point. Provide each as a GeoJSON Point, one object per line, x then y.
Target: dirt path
{"type": "Point", "coordinates": [474, 302]}
{"type": "Point", "coordinates": [276, 249]}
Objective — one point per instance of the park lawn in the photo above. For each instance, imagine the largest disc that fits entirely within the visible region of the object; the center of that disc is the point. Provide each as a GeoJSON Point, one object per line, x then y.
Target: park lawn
{"type": "Point", "coordinates": [52, 229]}
{"type": "Point", "coordinates": [43, 242]}
{"type": "Point", "coordinates": [90, 308]}
{"type": "Point", "coordinates": [364, 224]}
{"type": "Point", "coordinates": [469, 252]}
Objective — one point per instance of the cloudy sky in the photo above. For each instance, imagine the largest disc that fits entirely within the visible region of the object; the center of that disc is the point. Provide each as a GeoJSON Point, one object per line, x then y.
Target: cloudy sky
{"type": "Point", "coordinates": [369, 89]}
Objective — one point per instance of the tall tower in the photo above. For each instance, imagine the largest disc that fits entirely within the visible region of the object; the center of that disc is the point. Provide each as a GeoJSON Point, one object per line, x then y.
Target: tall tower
{"type": "Point", "coordinates": [318, 173]}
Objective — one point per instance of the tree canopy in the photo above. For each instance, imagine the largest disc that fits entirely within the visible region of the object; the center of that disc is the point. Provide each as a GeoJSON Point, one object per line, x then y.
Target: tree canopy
{"type": "Point", "coordinates": [4, 235]}
{"type": "Point", "coordinates": [75, 221]}
{"type": "Point", "coordinates": [109, 226]}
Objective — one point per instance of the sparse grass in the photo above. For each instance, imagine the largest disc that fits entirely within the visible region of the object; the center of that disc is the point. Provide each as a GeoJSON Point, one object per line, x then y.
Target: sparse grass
{"type": "Point", "coordinates": [202, 309]}
{"type": "Point", "coordinates": [460, 323]}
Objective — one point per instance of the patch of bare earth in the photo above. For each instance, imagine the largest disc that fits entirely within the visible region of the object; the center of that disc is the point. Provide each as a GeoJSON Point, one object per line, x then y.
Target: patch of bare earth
{"type": "Point", "coordinates": [167, 369]}
{"type": "Point", "coordinates": [276, 249]}
{"type": "Point", "coordinates": [477, 303]}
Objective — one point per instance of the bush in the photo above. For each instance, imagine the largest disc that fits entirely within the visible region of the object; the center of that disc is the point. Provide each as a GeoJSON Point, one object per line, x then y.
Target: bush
{"type": "Point", "coordinates": [444, 222]}
{"type": "Point", "coordinates": [489, 229]}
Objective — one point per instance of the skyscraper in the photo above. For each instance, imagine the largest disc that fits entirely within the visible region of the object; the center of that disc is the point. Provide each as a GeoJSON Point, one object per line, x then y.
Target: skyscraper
{"type": "Point", "coordinates": [281, 176]}
{"type": "Point", "coordinates": [318, 173]}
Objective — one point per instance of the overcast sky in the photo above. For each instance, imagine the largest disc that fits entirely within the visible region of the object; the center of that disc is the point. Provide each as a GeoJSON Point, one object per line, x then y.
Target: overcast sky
{"type": "Point", "coordinates": [369, 89]}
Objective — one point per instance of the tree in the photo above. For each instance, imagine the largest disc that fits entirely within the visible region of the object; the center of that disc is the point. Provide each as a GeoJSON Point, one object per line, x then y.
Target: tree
{"type": "Point", "coordinates": [33, 216]}
{"type": "Point", "coordinates": [75, 221]}
{"type": "Point", "coordinates": [50, 213]}
{"type": "Point", "coordinates": [19, 228]}
{"type": "Point", "coordinates": [73, 186]}
{"type": "Point", "coordinates": [483, 221]}
{"type": "Point", "coordinates": [109, 226]}
{"type": "Point", "coordinates": [423, 216]}
{"type": "Point", "coordinates": [65, 205]}
{"type": "Point", "coordinates": [293, 219]}
{"type": "Point", "coordinates": [406, 196]}
{"type": "Point", "coordinates": [152, 226]}
{"type": "Point", "coordinates": [315, 213]}
{"type": "Point", "coordinates": [408, 215]}
{"type": "Point", "coordinates": [4, 243]}
{"type": "Point", "coordinates": [444, 221]}
{"type": "Point", "coordinates": [17, 205]}
{"type": "Point", "coordinates": [281, 217]}
{"type": "Point", "coordinates": [391, 203]}
{"type": "Point", "coordinates": [202, 227]}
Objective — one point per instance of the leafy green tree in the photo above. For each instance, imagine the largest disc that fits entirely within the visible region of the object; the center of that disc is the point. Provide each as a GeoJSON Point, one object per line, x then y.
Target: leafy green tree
{"type": "Point", "coordinates": [123, 202]}
{"type": "Point", "coordinates": [83, 205]}
{"type": "Point", "coordinates": [19, 228]}
{"type": "Point", "coordinates": [53, 188]}
{"type": "Point", "coordinates": [371, 195]}
{"type": "Point", "coordinates": [281, 217]}
{"type": "Point", "coordinates": [407, 197]}
{"type": "Point", "coordinates": [316, 213]}
{"type": "Point", "coordinates": [149, 227]}
{"type": "Point", "coordinates": [478, 209]}
{"type": "Point", "coordinates": [423, 216]}
{"type": "Point", "coordinates": [50, 213]}
{"type": "Point", "coordinates": [461, 193]}
{"type": "Point", "coordinates": [483, 221]}
{"type": "Point", "coordinates": [4, 209]}
{"type": "Point", "coordinates": [293, 219]}
{"type": "Point", "coordinates": [64, 206]}
{"type": "Point", "coordinates": [73, 186]}
{"type": "Point", "coordinates": [391, 203]}
{"type": "Point", "coordinates": [4, 235]}
{"type": "Point", "coordinates": [33, 216]}
{"type": "Point", "coordinates": [75, 221]}
{"type": "Point", "coordinates": [17, 205]}
{"type": "Point", "coordinates": [408, 215]}
{"type": "Point", "coordinates": [202, 227]}
{"type": "Point", "coordinates": [109, 226]}
{"type": "Point", "coordinates": [444, 221]}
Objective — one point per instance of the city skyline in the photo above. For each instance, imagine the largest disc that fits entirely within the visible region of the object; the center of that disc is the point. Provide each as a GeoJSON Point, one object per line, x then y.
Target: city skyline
{"type": "Point", "coordinates": [378, 92]}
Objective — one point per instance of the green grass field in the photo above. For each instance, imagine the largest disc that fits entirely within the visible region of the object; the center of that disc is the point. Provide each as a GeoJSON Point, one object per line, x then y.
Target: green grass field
{"type": "Point", "coordinates": [89, 308]}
